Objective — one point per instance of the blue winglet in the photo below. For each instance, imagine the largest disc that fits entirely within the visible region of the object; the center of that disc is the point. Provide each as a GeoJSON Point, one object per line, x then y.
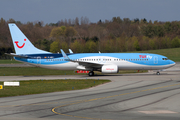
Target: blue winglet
{"type": "Point", "coordinates": [70, 51]}
{"type": "Point", "coordinates": [64, 55]}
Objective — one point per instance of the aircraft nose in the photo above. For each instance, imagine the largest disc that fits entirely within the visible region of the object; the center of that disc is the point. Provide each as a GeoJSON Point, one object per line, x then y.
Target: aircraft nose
{"type": "Point", "coordinates": [172, 62]}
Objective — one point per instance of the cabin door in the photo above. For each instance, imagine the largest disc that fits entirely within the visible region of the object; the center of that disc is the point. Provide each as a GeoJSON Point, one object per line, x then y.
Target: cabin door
{"type": "Point", "coordinates": [38, 60]}
{"type": "Point", "coordinates": [155, 60]}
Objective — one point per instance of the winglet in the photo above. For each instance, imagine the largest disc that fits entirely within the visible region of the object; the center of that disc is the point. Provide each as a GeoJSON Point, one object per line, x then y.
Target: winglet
{"type": "Point", "coordinates": [64, 55]}
{"type": "Point", "coordinates": [70, 51]}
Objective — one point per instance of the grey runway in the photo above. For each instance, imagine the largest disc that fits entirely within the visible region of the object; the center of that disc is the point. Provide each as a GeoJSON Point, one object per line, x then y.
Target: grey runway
{"type": "Point", "coordinates": [142, 96]}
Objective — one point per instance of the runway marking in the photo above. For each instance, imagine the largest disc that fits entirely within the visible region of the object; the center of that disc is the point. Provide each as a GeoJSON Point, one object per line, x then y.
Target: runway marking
{"type": "Point", "coordinates": [83, 101]}
{"type": "Point", "coordinates": [158, 112]}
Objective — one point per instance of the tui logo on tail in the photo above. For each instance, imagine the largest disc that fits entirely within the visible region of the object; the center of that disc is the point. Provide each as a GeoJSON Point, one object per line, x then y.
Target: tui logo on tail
{"type": "Point", "coordinates": [18, 45]}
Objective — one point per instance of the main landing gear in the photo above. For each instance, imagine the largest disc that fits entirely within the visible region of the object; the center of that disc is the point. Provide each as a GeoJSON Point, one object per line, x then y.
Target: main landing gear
{"type": "Point", "coordinates": [91, 73]}
{"type": "Point", "coordinates": [158, 73]}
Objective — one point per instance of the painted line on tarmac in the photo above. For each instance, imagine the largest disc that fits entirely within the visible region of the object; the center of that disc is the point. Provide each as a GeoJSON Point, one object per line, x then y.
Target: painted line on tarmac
{"type": "Point", "coordinates": [83, 101]}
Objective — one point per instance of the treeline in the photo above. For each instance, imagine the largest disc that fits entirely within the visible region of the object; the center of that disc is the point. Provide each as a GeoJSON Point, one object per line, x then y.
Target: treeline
{"type": "Point", "coordinates": [116, 35]}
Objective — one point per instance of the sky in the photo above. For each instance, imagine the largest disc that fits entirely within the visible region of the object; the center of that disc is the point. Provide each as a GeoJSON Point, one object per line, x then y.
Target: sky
{"type": "Point", "coordinates": [52, 11]}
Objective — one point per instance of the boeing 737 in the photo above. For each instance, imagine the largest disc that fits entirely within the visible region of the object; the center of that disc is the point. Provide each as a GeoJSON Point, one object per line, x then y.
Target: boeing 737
{"type": "Point", "coordinates": [103, 62]}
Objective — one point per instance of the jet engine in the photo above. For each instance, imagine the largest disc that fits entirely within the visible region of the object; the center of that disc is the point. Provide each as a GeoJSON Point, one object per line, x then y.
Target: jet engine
{"type": "Point", "coordinates": [109, 69]}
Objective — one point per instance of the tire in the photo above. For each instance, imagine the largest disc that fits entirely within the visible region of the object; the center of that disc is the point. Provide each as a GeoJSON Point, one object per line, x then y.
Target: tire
{"type": "Point", "coordinates": [158, 73]}
{"type": "Point", "coordinates": [91, 73]}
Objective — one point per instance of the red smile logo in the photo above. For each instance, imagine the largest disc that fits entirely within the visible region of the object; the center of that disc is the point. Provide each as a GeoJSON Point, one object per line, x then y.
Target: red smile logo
{"type": "Point", "coordinates": [18, 45]}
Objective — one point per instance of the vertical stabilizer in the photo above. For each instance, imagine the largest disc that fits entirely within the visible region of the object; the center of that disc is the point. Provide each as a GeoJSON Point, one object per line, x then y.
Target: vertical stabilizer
{"type": "Point", "coordinates": [21, 43]}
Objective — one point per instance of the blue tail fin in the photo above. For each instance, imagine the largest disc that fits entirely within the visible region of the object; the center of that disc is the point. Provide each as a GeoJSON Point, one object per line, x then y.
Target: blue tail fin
{"type": "Point", "coordinates": [21, 43]}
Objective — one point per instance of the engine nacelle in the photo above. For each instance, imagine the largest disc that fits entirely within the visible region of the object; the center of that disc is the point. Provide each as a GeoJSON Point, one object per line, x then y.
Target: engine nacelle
{"type": "Point", "coordinates": [109, 69]}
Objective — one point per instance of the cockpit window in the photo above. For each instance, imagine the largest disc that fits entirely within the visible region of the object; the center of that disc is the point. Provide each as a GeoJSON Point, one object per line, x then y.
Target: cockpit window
{"type": "Point", "coordinates": [164, 58]}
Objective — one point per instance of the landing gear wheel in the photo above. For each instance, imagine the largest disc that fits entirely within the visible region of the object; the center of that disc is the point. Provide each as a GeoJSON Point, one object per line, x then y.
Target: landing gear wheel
{"type": "Point", "coordinates": [158, 73]}
{"type": "Point", "coordinates": [91, 73]}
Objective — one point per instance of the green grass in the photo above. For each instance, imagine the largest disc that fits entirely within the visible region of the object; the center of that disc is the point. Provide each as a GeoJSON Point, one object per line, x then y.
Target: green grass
{"type": "Point", "coordinates": [36, 71]}
{"type": "Point", "coordinates": [32, 71]}
{"type": "Point", "coordinates": [9, 62]}
{"type": "Point", "coordinates": [47, 86]}
{"type": "Point", "coordinates": [173, 53]}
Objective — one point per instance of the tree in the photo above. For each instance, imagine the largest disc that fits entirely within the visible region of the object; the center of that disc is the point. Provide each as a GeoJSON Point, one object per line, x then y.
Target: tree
{"type": "Point", "coordinates": [115, 29]}
{"type": "Point", "coordinates": [136, 20]}
{"type": "Point", "coordinates": [58, 32]}
{"type": "Point", "coordinates": [91, 47]}
{"type": "Point", "coordinates": [126, 21]}
{"type": "Point", "coordinates": [84, 21]}
{"type": "Point", "coordinates": [136, 43]}
{"type": "Point", "coordinates": [158, 31]}
{"type": "Point", "coordinates": [150, 22]}
{"type": "Point", "coordinates": [95, 39]}
{"type": "Point", "coordinates": [77, 21]}
{"type": "Point", "coordinates": [46, 44]}
{"type": "Point", "coordinates": [77, 46]}
{"type": "Point", "coordinates": [70, 32]}
{"type": "Point", "coordinates": [121, 43]}
{"type": "Point", "coordinates": [166, 42]}
{"type": "Point", "coordinates": [148, 30]}
{"type": "Point", "coordinates": [11, 20]}
{"type": "Point", "coordinates": [117, 20]}
{"type": "Point", "coordinates": [64, 46]}
{"type": "Point", "coordinates": [144, 20]}
{"type": "Point", "coordinates": [167, 27]}
{"type": "Point", "coordinates": [152, 44]}
{"type": "Point", "coordinates": [69, 22]}
{"type": "Point", "coordinates": [54, 47]}
{"type": "Point", "coordinates": [144, 43]}
{"type": "Point", "coordinates": [175, 43]}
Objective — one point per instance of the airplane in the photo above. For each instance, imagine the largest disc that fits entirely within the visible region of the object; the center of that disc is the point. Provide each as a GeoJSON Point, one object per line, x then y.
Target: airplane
{"type": "Point", "coordinates": [103, 62]}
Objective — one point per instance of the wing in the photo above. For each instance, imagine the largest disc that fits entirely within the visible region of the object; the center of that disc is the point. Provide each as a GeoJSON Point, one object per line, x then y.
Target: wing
{"type": "Point", "coordinates": [88, 64]}
{"type": "Point", "coordinates": [82, 64]}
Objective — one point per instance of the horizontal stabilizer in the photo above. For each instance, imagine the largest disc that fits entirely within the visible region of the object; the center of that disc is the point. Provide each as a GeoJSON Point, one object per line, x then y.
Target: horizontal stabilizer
{"type": "Point", "coordinates": [15, 55]}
